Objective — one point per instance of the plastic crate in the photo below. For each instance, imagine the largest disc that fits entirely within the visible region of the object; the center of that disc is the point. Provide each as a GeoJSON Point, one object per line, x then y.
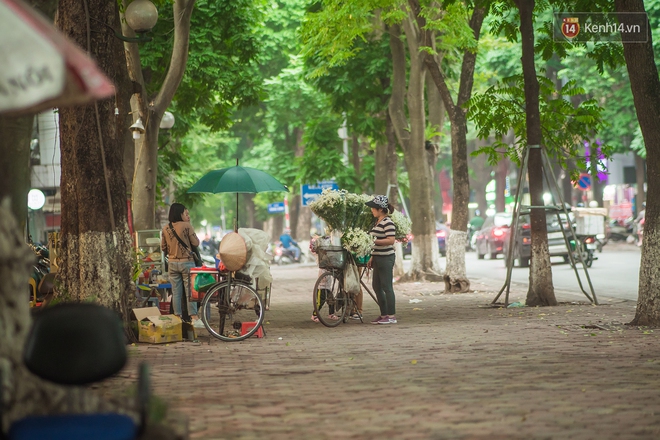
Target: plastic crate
{"type": "Point", "coordinates": [331, 257]}
{"type": "Point", "coordinates": [247, 326]}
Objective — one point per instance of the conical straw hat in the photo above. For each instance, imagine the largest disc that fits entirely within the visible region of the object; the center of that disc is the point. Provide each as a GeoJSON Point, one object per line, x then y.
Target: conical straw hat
{"type": "Point", "coordinates": [233, 251]}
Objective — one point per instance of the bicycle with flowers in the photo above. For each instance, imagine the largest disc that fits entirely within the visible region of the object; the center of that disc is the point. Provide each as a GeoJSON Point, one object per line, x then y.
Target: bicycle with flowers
{"type": "Point", "coordinates": [347, 216]}
{"type": "Point", "coordinates": [333, 303]}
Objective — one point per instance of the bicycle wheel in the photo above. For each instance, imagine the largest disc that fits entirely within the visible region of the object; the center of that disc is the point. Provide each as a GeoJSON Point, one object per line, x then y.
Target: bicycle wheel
{"type": "Point", "coordinates": [224, 310]}
{"type": "Point", "coordinates": [329, 299]}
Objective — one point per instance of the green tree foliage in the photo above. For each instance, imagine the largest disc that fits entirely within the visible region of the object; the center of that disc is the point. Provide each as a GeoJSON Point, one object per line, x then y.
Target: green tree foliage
{"type": "Point", "coordinates": [222, 72]}
{"type": "Point", "coordinates": [564, 125]}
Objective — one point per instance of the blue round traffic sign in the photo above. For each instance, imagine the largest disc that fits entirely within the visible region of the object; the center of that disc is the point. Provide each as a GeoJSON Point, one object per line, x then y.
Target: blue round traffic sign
{"type": "Point", "coordinates": [584, 182]}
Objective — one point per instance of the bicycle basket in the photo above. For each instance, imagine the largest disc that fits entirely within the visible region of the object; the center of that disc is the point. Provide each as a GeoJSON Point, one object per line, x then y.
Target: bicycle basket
{"type": "Point", "coordinates": [331, 257]}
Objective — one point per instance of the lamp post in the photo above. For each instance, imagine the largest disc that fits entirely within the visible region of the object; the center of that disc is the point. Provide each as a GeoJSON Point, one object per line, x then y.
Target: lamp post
{"type": "Point", "coordinates": [141, 16]}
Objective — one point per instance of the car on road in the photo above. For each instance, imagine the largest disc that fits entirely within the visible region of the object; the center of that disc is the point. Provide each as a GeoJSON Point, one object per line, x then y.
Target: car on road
{"type": "Point", "coordinates": [441, 232]}
{"type": "Point", "coordinates": [556, 243]}
{"type": "Point", "coordinates": [490, 238]}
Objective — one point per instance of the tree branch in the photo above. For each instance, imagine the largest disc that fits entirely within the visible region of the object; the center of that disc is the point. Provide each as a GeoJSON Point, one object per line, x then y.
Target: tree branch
{"type": "Point", "coordinates": [182, 13]}
{"type": "Point", "coordinates": [397, 99]}
{"type": "Point", "coordinates": [469, 57]}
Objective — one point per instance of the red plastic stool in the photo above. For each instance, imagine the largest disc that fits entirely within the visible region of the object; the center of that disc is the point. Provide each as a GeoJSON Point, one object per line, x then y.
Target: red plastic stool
{"type": "Point", "coordinates": [247, 326]}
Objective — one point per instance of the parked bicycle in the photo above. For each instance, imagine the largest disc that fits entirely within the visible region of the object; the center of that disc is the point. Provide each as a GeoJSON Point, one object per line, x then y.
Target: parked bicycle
{"type": "Point", "coordinates": [332, 304]}
{"type": "Point", "coordinates": [232, 310]}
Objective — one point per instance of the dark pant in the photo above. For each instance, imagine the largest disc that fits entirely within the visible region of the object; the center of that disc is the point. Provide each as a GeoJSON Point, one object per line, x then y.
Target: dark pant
{"type": "Point", "coordinates": [382, 283]}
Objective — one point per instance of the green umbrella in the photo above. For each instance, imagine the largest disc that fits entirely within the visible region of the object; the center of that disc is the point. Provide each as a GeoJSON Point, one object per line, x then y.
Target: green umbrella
{"type": "Point", "coordinates": [237, 179]}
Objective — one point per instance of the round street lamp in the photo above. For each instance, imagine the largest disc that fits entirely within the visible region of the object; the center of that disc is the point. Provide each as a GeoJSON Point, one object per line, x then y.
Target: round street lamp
{"type": "Point", "coordinates": [141, 16]}
{"type": "Point", "coordinates": [167, 121]}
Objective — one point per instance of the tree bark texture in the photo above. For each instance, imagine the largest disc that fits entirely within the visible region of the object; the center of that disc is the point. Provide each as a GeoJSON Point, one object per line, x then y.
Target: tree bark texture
{"type": "Point", "coordinates": [640, 178]}
{"type": "Point", "coordinates": [541, 290]}
{"type": "Point", "coordinates": [437, 121]}
{"type": "Point", "coordinates": [409, 129]}
{"type": "Point", "coordinates": [455, 276]}
{"type": "Point", "coordinates": [96, 258]}
{"type": "Point", "coordinates": [645, 86]}
{"type": "Point", "coordinates": [15, 134]}
{"type": "Point", "coordinates": [152, 110]}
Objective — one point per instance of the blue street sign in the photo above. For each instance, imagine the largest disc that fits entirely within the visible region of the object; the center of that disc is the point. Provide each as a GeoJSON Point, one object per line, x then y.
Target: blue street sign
{"type": "Point", "coordinates": [311, 192]}
{"type": "Point", "coordinates": [584, 182]}
{"type": "Point", "coordinates": [275, 208]}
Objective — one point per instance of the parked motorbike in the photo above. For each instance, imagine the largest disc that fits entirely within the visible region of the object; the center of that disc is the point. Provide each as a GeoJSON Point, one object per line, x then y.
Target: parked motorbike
{"type": "Point", "coordinates": [41, 283]}
{"type": "Point", "coordinates": [586, 246]}
{"type": "Point", "coordinates": [620, 230]}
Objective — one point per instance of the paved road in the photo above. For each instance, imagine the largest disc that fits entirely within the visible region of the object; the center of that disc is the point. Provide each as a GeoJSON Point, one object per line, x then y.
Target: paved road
{"type": "Point", "coordinates": [614, 275]}
{"type": "Point", "coordinates": [452, 368]}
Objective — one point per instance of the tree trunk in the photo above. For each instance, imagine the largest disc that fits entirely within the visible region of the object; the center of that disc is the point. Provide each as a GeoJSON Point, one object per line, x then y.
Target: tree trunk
{"type": "Point", "coordinates": [500, 184]}
{"type": "Point", "coordinates": [456, 277]}
{"type": "Point", "coordinates": [541, 290]}
{"type": "Point", "coordinates": [640, 178]}
{"type": "Point", "coordinates": [645, 86]}
{"type": "Point", "coordinates": [304, 224]}
{"type": "Point", "coordinates": [96, 257]}
{"type": "Point", "coordinates": [151, 112]}
{"type": "Point", "coordinates": [437, 122]}
{"type": "Point", "coordinates": [410, 134]}
{"type": "Point", "coordinates": [16, 132]}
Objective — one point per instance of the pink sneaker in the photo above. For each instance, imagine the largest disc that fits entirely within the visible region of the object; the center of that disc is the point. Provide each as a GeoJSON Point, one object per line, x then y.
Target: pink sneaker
{"type": "Point", "coordinates": [385, 320]}
{"type": "Point", "coordinates": [377, 320]}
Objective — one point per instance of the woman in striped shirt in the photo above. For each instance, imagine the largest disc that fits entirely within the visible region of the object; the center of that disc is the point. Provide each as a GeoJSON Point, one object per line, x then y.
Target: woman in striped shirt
{"type": "Point", "coordinates": [382, 259]}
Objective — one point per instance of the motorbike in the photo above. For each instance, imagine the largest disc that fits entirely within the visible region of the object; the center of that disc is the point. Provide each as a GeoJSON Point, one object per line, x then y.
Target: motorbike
{"type": "Point", "coordinates": [284, 256]}
{"type": "Point", "coordinates": [42, 282]}
{"type": "Point", "coordinates": [586, 246]}
{"type": "Point", "coordinates": [621, 230]}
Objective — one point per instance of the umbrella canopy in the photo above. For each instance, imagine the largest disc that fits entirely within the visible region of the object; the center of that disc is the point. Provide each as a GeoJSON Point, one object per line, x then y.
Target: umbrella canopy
{"type": "Point", "coordinates": [237, 179]}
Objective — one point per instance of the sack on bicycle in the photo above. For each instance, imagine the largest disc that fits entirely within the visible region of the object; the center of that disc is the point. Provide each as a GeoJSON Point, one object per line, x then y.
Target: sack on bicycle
{"type": "Point", "coordinates": [351, 278]}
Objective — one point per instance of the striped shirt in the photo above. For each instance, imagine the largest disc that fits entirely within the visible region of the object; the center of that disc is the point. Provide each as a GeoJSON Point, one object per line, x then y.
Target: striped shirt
{"type": "Point", "coordinates": [383, 229]}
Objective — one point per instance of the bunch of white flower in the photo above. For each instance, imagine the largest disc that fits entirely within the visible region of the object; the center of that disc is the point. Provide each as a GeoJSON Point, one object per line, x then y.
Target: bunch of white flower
{"type": "Point", "coordinates": [401, 225]}
{"type": "Point", "coordinates": [331, 208]}
{"type": "Point", "coordinates": [357, 241]}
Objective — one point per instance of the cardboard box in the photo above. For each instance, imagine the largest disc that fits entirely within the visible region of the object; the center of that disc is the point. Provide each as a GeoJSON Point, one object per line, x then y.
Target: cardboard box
{"type": "Point", "coordinates": [155, 328]}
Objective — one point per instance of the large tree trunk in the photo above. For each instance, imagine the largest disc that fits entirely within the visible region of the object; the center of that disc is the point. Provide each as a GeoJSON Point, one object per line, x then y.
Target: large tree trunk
{"type": "Point", "coordinates": [456, 277]}
{"type": "Point", "coordinates": [541, 290]}
{"type": "Point", "coordinates": [96, 258]}
{"type": "Point", "coordinates": [645, 86]}
{"type": "Point", "coordinates": [436, 121]}
{"type": "Point", "coordinates": [151, 112]}
{"type": "Point", "coordinates": [410, 134]}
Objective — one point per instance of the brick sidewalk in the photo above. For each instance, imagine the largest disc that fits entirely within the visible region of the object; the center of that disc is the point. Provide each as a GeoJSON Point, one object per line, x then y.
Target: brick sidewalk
{"type": "Point", "coordinates": [451, 368]}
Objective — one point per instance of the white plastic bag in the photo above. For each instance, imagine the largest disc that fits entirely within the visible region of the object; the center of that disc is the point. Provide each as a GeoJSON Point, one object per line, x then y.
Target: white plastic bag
{"type": "Point", "coordinates": [351, 278]}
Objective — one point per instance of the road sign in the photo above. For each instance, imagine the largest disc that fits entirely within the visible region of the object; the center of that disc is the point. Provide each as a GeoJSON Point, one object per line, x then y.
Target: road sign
{"type": "Point", "coordinates": [311, 192]}
{"type": "Point", "coordinates": [584, 182]}
{"type": "Point", "coordinates": [275, 208]}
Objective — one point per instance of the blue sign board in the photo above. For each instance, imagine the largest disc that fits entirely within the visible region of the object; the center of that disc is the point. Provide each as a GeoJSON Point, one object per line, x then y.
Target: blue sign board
{"type": "Point", "coordinates": [275, 208]}
{"type": "Point", "coordinates": [311, 192]}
